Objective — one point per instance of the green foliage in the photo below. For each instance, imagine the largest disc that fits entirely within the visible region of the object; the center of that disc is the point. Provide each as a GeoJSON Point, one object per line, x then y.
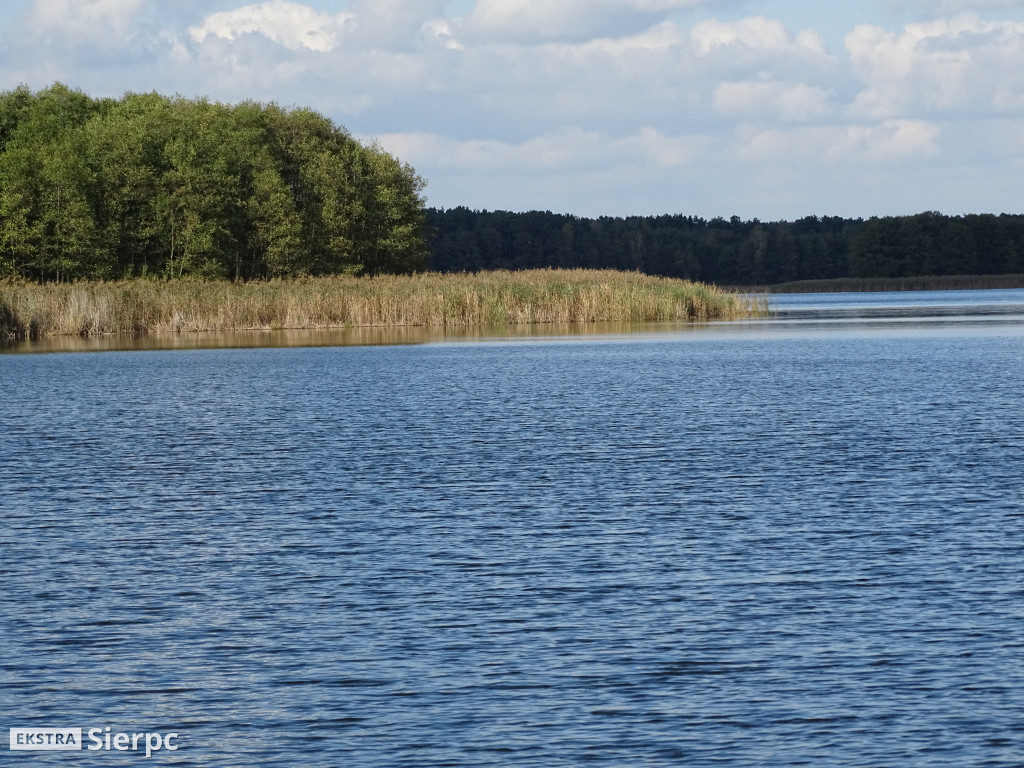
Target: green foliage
{"type": "Point", "coordinates": [151, 185]}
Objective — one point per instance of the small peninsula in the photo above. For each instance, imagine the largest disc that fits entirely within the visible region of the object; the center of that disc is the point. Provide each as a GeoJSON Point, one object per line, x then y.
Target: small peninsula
{"type": "Point", "coordinates": [151, 214]}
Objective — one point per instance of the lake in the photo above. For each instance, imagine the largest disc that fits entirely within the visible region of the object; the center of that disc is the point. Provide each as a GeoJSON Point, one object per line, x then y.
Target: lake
{"type": "Point", "coordinates": [784, 542]}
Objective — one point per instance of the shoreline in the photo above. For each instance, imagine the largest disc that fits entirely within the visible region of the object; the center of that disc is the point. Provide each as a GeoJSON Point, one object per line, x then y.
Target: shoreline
{"type": "Point", "coordinates": [887, 284]}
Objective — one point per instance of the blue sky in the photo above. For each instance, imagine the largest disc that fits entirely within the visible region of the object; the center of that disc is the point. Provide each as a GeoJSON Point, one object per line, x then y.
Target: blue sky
{"type": "Point", "coordinates": [775, 109]}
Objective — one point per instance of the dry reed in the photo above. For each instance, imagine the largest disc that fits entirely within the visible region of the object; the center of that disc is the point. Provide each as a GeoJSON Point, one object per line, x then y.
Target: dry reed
{"type": "Point", "coordinates": [30, 310]}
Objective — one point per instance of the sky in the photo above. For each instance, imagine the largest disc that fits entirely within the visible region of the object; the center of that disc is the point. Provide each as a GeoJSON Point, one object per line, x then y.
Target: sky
{"type": "Point", "coordinates": [776, 109]}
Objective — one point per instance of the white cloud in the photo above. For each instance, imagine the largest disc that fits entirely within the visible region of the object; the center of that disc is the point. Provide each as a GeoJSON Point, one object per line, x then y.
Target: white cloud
{"type": "Point", "coordinates": [597, 106]}
{"type": "Point", "coordinates": [292, 25]}
{"type": "Point", "coordinates": [942, 65]}
{"type": "Point", "coordinates": [441, 31]}
{"type": "Point", "coordinates": [395, 24]}
{"type": "Point", "coordinates": [84, 19]}
{"type": "Point", "coordinates": [887, 142]}
{"type": "Point", "coordinates": [765, 172]}
{"type": "Point", "coordinates": [893, 140]}
{"type": "Point", "coordinates": [565, 150]}
{"type": "Point", "coordinates": [796, 102]}
{"type": "Point", "coordinates": [1008, 100]}
{"type": "Point", "coordinates": [942, 7]}
{"type": "Point", "coordinates": [756, 33]}
{"type": "Point", "coordinates": [567, 19]}
{"type": "Point", "coordinates": [903, 138]}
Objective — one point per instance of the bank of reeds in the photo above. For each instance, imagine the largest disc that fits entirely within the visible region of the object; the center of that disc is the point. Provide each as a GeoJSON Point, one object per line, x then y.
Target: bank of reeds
{"type": "Point", "coordinates": [30, 310]}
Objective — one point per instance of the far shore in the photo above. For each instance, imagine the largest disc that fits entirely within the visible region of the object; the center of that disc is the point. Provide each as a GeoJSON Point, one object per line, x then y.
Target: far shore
{"type": "Point", "coordinates": [499, 298]}
{"type": "Point", "coordinates": [866, 284]}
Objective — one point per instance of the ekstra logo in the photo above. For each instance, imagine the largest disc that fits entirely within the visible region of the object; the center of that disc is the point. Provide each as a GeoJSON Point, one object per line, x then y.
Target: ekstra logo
{"type": "Point", "coordinates": [46, 739]}
{"type": "Point", "coordinates": [70, 739]}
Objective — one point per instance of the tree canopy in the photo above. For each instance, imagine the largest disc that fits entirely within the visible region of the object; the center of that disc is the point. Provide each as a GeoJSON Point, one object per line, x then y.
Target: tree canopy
{"type": "Point", "coordinates": [149, 184]}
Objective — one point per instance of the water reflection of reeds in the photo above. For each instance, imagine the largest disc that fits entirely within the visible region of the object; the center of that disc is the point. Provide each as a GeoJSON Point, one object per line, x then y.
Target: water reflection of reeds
{"type": "Point", "coordinates": [337, 337]}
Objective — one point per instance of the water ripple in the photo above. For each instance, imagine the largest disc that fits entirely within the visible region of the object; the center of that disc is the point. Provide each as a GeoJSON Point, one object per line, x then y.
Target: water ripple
{"type": "Point", "coordinates": [792, 551]}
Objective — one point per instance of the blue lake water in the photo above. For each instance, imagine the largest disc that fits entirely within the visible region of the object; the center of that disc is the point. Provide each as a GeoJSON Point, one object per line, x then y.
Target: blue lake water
{"type": "Point", "coordinates": [789, 542]}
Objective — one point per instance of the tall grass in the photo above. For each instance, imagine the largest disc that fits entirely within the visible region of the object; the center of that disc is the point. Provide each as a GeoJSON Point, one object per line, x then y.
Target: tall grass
{"type": "Point", "coordinates": [487, 298]}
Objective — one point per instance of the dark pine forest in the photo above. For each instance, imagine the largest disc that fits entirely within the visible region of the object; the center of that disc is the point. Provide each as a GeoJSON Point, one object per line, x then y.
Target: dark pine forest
{"type": "Point", "coordinates": [731, 251]}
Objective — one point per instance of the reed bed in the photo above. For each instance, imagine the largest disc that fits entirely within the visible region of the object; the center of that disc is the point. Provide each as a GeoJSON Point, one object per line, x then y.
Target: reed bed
{"type": "Point", "coordinates": [29, 310]}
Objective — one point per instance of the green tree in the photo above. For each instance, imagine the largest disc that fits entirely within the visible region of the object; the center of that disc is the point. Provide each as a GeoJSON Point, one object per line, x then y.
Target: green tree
{"type": "Point", "coordinates": [152, 185]}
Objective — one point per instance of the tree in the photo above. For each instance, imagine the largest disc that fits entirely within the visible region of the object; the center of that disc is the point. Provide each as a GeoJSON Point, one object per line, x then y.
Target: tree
{"type": "Point", "coordinates": [154, 185]}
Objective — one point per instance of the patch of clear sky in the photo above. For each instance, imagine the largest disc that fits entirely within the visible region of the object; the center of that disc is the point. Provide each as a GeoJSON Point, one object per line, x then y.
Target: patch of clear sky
{"type": "Point", "coordinates": [9, 13]}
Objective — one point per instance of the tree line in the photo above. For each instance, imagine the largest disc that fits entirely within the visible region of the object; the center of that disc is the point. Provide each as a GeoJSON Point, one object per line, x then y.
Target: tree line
{"type": "Point", "coordinates": [167, 186]}
{"type": "Point", "coordinates": [730, 252]}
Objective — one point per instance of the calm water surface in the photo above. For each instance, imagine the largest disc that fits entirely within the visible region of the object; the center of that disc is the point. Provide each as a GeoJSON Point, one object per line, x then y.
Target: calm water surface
{"type": "Point", "coordinates": [782, 543]}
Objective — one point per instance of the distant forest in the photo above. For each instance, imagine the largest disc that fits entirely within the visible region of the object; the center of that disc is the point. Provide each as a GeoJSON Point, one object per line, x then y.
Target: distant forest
{"type": "Point", "coordinates": [152, 185]}
{"type": "Point", "coordinates": [730, 252]}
